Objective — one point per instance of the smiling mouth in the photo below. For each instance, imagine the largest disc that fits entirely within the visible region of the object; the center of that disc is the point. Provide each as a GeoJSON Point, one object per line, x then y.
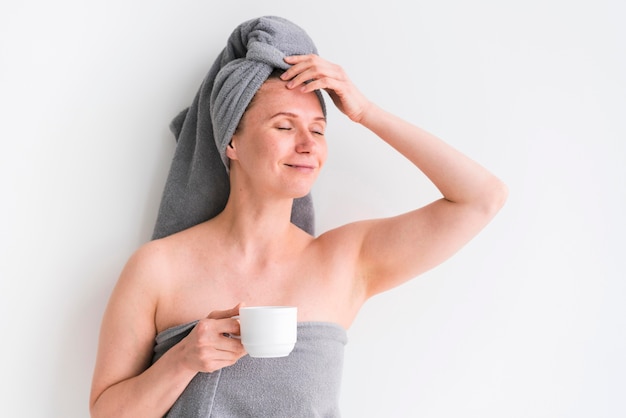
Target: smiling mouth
{"type": "Point", "coordinates": [306, 167]}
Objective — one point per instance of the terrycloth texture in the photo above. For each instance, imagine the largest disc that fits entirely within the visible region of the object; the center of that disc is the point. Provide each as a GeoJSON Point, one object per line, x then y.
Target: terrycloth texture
{"type": "Point", "coordinates": [197, 187]}
{"type": "Point", "coordinates": [304, 384]}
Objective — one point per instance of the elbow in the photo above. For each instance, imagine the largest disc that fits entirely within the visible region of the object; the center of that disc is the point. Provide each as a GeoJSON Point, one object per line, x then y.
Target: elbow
{"type": "Point", "coordinates": [495, 197]}
{"type": "Point", "coordinates": [93, 411]}
{"type": "Point", "coordinates": [95, 407]}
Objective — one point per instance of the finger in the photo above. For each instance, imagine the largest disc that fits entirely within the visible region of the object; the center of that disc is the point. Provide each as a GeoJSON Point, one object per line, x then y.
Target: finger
{"type": "Point", "coordinates": [231, 345]}
{"type": "Point", "coordinates": [301, 64]}
{"type": "Point", "coordinates": [291, 71]}
{"type": "Point", "coordinates": [294, 76]}
{"type": "Point", "coordinates": [295, 59]}
{"type": "Point", "coordinates": [228, 326]}
{"type": "Point", "coordinates": [322, 77]}
{"type": "Point", "coordinates": [313, 84]}
{"type": "Point", "coordinates": [331, 85]}
{"type": "Point", "coordinates": [218, 359]}
{"type": "Point", "coordinates": [305, 78]}
{"type": "Point", "coordinates": [228, 313]}
{"type": "Point", "coordinates": [210, 329]}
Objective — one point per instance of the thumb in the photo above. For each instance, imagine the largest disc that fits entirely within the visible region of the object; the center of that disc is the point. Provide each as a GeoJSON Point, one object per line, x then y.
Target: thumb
{"type": "Point", "coordinates": [227, 313]}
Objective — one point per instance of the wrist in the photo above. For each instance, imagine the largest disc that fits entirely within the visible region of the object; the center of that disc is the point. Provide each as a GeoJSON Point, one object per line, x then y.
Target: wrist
{"type": "Point", "coordinates": [370, 116]}
{"type": "Point", "coordinates": [361, 116]}
{"type": "Point", "coordinates": [179, 361]}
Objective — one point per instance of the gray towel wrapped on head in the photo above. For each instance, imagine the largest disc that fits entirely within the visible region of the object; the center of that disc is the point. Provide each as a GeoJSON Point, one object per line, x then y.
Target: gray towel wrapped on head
{"type": "Point", "coordinates": [197, 186]}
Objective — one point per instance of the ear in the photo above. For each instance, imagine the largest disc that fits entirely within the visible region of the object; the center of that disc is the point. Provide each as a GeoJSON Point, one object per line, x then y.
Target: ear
{"type": "Point", "coordinates": [231, 149]}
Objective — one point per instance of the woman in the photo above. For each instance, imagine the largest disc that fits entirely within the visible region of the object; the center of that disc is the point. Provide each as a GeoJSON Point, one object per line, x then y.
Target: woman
{"type": "Point", "coordinates": [250, 253]}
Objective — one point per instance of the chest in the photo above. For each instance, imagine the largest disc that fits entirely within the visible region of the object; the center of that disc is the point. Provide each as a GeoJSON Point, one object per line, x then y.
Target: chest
{"type": "Point", "coordinates": [322, 290]}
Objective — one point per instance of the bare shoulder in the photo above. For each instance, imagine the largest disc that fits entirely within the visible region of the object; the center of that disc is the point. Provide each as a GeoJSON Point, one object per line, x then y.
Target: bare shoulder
{"type": "Point", "coordinates": [155, 260]}
{"type": "Point", "coordinates": [148, 264]}
{"type": "Point", "coordinates": [128, 326]}
{"type": "Point", "coordinates": [145, 278]}
{"type": "Point", "coordinates": [139, 284]}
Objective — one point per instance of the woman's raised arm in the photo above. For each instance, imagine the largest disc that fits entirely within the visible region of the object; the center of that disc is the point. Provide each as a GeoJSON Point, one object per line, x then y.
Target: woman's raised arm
{"type": "Point", "coordinates": [397, 249]}
{"type": "Point", "coordinates": [400, 248]}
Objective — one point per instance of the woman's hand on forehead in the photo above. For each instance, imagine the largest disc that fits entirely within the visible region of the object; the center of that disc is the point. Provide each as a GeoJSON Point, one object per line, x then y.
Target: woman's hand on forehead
{"type": "Point", "coordinates": [311, 72]}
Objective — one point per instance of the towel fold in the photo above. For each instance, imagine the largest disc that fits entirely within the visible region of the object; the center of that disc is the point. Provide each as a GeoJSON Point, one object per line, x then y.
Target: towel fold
{"type": "Point", "coordinates": [304, 384]}
{"type": "Point", "coordinates": [197, 186]}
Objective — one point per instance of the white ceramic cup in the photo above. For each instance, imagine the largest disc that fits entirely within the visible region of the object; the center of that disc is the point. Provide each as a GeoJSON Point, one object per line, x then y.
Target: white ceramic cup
{"type": "Point", "coordinates": [268, 331]}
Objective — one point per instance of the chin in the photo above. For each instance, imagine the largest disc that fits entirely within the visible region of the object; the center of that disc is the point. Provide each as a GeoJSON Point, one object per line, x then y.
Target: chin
{"type": "Point", "coordinates": [301, 194]}
{"type": "Point", "coordinates": [298, 192]}
{"type": "Point", "coordinates": [298, 187]}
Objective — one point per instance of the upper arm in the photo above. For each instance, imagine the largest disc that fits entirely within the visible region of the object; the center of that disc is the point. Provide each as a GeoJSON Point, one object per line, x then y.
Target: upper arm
{"type": "Point", "coordinates": [394, 250]}
{"type": "Point", "coordinates": [128, 327]}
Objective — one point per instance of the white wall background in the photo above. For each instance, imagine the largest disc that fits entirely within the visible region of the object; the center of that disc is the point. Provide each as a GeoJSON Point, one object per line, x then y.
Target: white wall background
{"type": "Point", "coordinates": [526, 321]}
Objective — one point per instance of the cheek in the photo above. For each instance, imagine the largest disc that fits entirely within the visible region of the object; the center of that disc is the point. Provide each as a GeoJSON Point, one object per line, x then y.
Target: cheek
{"type": "Point", "coordinates": [264, 152]}
{"type": "Point", "coordinates": [271, 149]}
{"type": "Point", "coordinates": [322, 152]}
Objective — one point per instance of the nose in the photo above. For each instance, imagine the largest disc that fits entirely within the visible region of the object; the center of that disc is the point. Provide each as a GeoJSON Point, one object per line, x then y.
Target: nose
{"type": "Point", "coordinates": [305, 143]}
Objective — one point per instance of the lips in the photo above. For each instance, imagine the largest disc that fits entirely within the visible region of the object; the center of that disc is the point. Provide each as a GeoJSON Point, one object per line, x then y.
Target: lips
{"type": "Point", "coordinates": [303, 166]}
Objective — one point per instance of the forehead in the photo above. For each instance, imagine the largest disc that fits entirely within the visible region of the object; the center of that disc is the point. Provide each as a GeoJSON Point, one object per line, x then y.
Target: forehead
{"type": "Point", "coordinates": [274, 97]}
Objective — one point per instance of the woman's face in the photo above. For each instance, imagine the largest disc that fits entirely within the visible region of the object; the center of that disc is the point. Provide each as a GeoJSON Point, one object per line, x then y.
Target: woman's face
{"type": "Point", "coordinates": [279, 144]}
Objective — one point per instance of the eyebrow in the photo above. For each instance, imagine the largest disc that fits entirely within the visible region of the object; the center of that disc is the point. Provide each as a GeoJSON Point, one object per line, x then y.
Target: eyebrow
{"type": "Point", "coordinates": [293, 115]}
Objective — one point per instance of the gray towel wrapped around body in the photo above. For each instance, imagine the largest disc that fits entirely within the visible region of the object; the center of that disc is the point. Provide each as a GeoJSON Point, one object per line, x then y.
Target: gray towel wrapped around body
{"type": "Point", "coordinates": [304, 384]}
{"type": "Point", "coordinates": [197, 186]}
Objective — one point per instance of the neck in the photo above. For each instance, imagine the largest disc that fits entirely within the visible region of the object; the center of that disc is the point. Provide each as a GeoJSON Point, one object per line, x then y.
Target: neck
{"type": "Point", "coordinates": [256, 226]}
